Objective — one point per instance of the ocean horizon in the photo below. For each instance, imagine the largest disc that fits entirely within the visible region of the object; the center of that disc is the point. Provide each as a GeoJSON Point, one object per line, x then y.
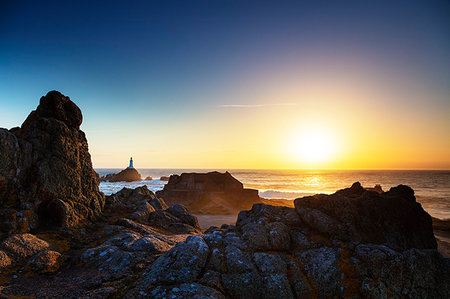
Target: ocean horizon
{"type": "Point", "coordinates": [431, 187]}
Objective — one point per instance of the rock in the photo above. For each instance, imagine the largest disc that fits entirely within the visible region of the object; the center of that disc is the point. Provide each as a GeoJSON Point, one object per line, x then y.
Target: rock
{"type": "Point", "coordinates": [185, 290]}
{"type": "Point", "coordinates": [210, 193]}
{"type": "Point", "coordinates": [5, 261]}
{"type": "Point", "coordinates": [393, 218]}
{"type": "Point", "coordinates": [182, 264]}
{"type": "Point", "coordinates": [22, 246]}
{"type": "Point", "coordinates": [321, 265]}
{"type": "Point", "coordinates": [46, 262]}
{"type": "Point", "coordinates": [166, 220]}
{"type": "Point", "coordinates": [126, 175]}
{"type": "Point", "coordinates": [46, 174]}
{"type": "Point", "coordinates": [137, 203]}
{"type": "Point", "coordinates": [182, 213]}
{"type": "Point", "coordinates": [164, 178]}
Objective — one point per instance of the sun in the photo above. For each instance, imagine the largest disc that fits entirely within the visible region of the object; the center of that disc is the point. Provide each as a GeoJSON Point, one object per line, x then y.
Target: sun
{"type": "Point", "coordinates": [313, 145]}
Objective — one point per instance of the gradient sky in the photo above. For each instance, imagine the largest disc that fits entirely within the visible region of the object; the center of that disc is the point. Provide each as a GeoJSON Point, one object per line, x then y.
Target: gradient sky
{"type": "Point", "coordinates": [238, 84]}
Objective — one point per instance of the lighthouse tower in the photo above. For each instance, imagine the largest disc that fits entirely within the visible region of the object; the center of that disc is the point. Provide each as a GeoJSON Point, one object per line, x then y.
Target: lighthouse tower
{"type": "Point", "coordinates": [131, 163]}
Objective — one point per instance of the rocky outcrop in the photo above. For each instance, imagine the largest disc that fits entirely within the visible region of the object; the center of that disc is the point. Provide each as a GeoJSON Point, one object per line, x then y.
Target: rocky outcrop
{"type": "Point", "coordinates": [142, 205]}
{"type": "Point", "coordinates": [301, 252]}
{"type": "Point", "coordinates": [46, 174]}
{"type": "Point", "coordinates": [209, 193]}
{"type": "Point", "coordinates": [354, 214]}
{"type": "Point", "coordinates": [271, 252]}
{"type": "Point", "coordinates": [126, 175]}
{"type": "Point", "coordinates": [29, 252]}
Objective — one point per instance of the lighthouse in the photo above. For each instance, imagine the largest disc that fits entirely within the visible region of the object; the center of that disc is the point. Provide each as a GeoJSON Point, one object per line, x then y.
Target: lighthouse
{"type": "Point", "coordinates": [131, 163]}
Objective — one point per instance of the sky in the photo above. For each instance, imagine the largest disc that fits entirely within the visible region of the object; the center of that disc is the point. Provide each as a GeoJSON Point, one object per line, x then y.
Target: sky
{"type": "Point", "coordinates": [238, 84]}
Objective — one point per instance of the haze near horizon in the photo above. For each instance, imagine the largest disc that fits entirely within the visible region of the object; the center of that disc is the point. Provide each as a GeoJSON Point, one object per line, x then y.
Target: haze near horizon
{"type": "Point", "coordinates": [239, 84]}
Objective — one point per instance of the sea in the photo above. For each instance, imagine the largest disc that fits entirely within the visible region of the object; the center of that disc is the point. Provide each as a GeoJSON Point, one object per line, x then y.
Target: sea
{"type": "Point", "coordinates": [432, 187]}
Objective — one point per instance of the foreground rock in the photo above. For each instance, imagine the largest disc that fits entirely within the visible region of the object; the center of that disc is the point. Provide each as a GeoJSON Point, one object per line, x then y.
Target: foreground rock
{"type": "Point", "coordinates": [46, 174]}
{"type": "Point", "coordinates": [126, 175]}
{"type": "Point", "coordinates": [282, 252]}
{"type": "Point", "coordinates": [209, 193]}
{"type": "Point", "coordinates": [142, 205]}
{"type": "Point", "coordinates": [272, 252]}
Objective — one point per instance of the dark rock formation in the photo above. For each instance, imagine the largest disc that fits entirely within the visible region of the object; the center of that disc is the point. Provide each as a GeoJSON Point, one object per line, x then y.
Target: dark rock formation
{"type": "Point", "coordinates": [46, 174]}
{"type": "Point", "coordinates": [126, 175]}
{"type": "Point", "coordinates": [142, 205]}
{"type": "Point", "coordinates": [393, 218]}
{"type": "Point", "coordinates": [272, 252]}
{"type": "Point", "coordinates": [164, 178]}
{"type": "Point", "coordinates": [282, 252]}
{"type": "Point", "coordinates": [149, 178]}
{"type": "Point", "coordinates": [209, 193]}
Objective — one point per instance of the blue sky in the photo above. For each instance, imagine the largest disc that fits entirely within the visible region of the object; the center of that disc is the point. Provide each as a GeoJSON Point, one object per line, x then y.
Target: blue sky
{"type": "Point", "coordinates": [171, 64]}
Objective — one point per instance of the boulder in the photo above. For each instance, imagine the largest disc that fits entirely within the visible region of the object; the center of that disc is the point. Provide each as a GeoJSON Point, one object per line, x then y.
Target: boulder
{"type": "Point", "coordinates": [208, 193]}
{"type": "Point", "coordinates": [355, 214]}
{"type": "Point", "coordinates": [137, 203]}
{"type": "Point", "coordinates": [46, 174]}
{"type": "Point", "coordinates": [46, 262]}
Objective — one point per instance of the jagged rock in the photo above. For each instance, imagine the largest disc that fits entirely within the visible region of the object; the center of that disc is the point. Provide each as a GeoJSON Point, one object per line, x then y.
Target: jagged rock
{"type": "Point", "coordinates": [164, 178]}
{"type": "Point", "coordinates": [46, 174]}
{"type": "Point", "coordinates": [272, 252]}
{"type": "Point", "coordinates": [182, 264]}
{"type": "Point", "coordinates": [139, 203]}
{"type": "Point", "coordinates": [208, 193]}
{"type": "Point", "coordinates": [175, 219]}
{"type": "Point", "coordinates": [182, 213]}
{"type": "Point", "coordinates": [393, 218]}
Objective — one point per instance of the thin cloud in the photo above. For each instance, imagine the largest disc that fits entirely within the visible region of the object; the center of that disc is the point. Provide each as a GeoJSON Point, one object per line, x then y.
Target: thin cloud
{"type": "Point", "coordinates": [255, 105]}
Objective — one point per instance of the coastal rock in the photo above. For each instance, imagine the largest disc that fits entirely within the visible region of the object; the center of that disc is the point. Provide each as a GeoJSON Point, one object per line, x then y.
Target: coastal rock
{"type": "Point", "coordinates": [46, 262]}
{"type": "Point", "coordinates": [127, 175]}
{"type": "Point", "coordinates": [181, 264]}
{"type": "Point", "coordinates": [26, 249]}
{"type": "Point", "coordinates": [164, 178]}
{"type": "Point", "coordinates": [209, 193]}
{"type": "Point", "coordinates": [355, 214]}
{"type": "Point", "coordinates": [137, 203]}
{"type": "Point", "coordinates": [166, 220]}
{"type": "Point", "coordinates": [272, 252]}
{"type": "Point", "coordinates": [142, 205]}
{"type": "Point", "coordinates": [149, 178]}
{"type": "Point", "coordinates": [46, 174]}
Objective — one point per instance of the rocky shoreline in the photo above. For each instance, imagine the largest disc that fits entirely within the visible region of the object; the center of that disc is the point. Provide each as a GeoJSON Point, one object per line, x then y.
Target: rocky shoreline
{"type": "Point", "coordinates": [62, 238]}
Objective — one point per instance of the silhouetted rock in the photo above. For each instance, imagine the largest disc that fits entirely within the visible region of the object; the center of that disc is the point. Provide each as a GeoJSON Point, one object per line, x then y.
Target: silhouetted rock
{"type": "Point", "coordinates": [164, 178]}
{"type": "Point", "coordinates": [393, 218]}
{"type": "Point", "coordinates": [126, 175]}
{"type": "Point", "coordinates": [208, 193]}
{"type": "Point", "coordinates": [46, 174]}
